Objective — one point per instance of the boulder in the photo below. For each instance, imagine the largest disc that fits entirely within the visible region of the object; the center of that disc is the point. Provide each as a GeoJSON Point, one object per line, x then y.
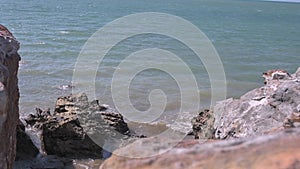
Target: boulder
{"type": "Point", "coordinates": [263, 110]}
{"type": "Point", "coordinates": [9, 96]}
{"type": "Point", "coordinates": [276, 151]}
{"type": "Point", "coordinates": [67, 132]}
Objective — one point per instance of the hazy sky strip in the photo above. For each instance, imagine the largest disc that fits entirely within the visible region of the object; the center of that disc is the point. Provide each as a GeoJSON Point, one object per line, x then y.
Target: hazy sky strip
{"type": "Point", "coordinates": [295, 1]}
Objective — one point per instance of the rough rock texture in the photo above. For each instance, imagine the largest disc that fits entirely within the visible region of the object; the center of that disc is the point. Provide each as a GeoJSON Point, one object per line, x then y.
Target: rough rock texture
{"type": "Point", "coordinates": [203, 125]}
{"type": "Point", "coordinates": [25, 147]}
{"type": "Point", "coordinates": [269, 108]}
{"type": "Point", "coordinates": [276, 151]}
{"type": "Point", "coordinates": [67, 131]}
{"type": "Point", "coordinates": [9, 97]}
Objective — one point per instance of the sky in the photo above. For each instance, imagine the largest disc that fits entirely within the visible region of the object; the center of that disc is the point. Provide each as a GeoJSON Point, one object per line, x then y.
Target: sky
{"type": "Point", "coordinates": [298, 1]}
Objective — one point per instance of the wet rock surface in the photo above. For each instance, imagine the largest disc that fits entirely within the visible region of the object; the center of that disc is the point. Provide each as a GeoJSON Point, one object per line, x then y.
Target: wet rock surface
{"type": "Point", "coordinates": [9, 96]}
{"type": "Point", "coordinates": [266, 109]}
{"type": "Point", "coordinates": [67, 131]}
{"type": "Point", "coordinates": [276, 151]}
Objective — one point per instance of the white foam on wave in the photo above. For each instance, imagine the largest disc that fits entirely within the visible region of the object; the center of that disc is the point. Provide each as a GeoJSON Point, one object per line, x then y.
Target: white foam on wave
{"type": "Point", "coordinates": [64, 32]}
{"type": "Point", "coordinates": [183, 122]}
{"type": "Point", "coordinates": [40, 43]}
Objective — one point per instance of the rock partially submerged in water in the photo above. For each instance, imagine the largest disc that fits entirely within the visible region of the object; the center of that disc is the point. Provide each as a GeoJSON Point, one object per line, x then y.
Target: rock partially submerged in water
{"type": "Point", "coordinates": [266, 109]}
{"type": "Point", "coordinates": [276, 151]}
{"type": "Point", "coordinates": [66, 131]}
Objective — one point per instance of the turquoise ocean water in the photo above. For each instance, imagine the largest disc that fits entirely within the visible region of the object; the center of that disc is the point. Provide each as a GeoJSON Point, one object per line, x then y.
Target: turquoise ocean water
{"type": "Point", "coordinates": [250, 37]}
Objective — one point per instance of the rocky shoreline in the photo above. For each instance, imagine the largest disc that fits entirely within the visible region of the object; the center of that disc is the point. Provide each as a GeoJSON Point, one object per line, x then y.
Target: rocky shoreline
{"type": "Point", "coordinates": [66, 133]}
{"type": "Point", "coordinates": [258, 130]}
{"type": "Point", "coordinates": [251, 124]}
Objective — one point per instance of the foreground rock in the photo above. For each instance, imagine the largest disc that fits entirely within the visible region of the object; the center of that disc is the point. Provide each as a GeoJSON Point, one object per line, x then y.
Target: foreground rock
{"type": "Point", "coordinates": [9, 97]}
{"type": "Point", "coordinates": [276, 151]}
{"type": "Point", "coordinates": [263, 110]}
{"type": "Point", "coordinates": [67, 132]}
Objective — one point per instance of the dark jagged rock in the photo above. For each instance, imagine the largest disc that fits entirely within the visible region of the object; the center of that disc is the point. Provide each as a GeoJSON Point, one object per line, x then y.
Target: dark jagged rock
{"type": "Point", "coordinates": [9, 96]}
{"type": "Point", "coordinates": [38, 118]}
{"type": "Point", "coordinates": [266, 109]}
{"type": "Point", "coordinates": [203, 125]}
{"type": "Point", "coordinates": [25, 147]}
{"type": "Point", "coordinates": [65, 132]}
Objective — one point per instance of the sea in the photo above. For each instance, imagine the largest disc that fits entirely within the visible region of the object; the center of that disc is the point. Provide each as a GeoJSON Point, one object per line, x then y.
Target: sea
{"type": "Point", "coordinates": [249, 36]}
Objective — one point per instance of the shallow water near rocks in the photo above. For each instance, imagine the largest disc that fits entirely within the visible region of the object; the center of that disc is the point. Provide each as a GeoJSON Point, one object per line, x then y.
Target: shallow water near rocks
{"type": "Point", "coordinates": [250, 37]}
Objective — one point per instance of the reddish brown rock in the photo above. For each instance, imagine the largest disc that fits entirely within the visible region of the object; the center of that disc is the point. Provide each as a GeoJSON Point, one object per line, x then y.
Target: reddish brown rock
{"type": "Point", "coordinates": [277, 151]}
{"type": "Point", "coordinates": [9, 97]}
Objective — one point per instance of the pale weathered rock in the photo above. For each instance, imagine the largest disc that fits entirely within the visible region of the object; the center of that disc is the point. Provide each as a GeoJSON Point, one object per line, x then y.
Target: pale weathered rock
{"type": "Point", "coordinates": [297, 74]}
{"type": "Point", "coordinates": [276, 151]}
{"type": "Point", "coordinates": [259, 111]}
{"type": "Point", "coordinates": [277, 74]}
{"type": "Point", "coordinates": [9, 97]}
